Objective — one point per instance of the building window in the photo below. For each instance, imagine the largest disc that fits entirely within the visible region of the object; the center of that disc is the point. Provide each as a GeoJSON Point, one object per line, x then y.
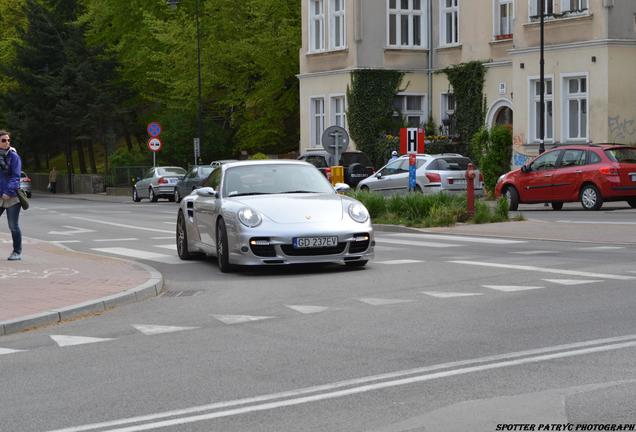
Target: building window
{"type": "Point", "coordinates": [407, 23]}
{"type": "Point", "coordinates": [316, 25]}
{"type": "Point", "coordinates": [575, 108]}
{"type": "Point", "coordinates": [574, 6]}
{"type": "Point", "coordinates": [504, 14]}
{"type": "Point", "coordinates": [410, 108]}
{"type": "Point", "coordinates": [535, 110]}
{"type": "Point", "coordinates": [337, 23]}
{"type": "Point", "coordinates": [533, 9]}
{"type": "Point", "coordinates": [447, 114]}
{"type": "Point", "coordinates": [338, 113]}
{"type": "Point", "coordinates": [449, 22]}
{"type": "Point", "coordinates": [317, 121]}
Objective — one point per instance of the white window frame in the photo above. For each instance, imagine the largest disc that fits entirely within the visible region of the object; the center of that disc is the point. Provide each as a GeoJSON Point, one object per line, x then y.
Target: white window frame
{"type": "Point", "coordinates": [443, 11]}
{"type": "Point", "coordinates": [405, 113]}
{"type": "Point", "coordinates": [443, 104]}
{"type": "Point", "coordinates": [566, 96]}
{"type": "Point", "coordinates": [338, 118]}
{"type": "Point", "coordinates": [317, 121]}
{"type": "Point", "coordinates": [582, 4]}
{"type": "Point", "coordinates": [533, 9]}
{"type": "Point", "coordinates": [497, 28]}
{"type": "Point", "coordinates": [314, 19]}
{"type": "Point", "coordinates": [422, 13]}
{"type": "Point", "coordinates": [533, 115]}
{"type": "Point", "coordinates": [341, 31]}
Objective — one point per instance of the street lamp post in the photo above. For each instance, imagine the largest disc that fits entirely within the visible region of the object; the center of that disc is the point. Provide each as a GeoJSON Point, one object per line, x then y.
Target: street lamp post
{"type": "Point", "coordinates": [173, 4]}
{"type": "Point", "coordinates": [541, 79]}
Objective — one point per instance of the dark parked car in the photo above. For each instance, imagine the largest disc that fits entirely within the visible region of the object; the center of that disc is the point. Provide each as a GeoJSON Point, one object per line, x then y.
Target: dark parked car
{"type": "Point", "coordinates": [192, 180]}
{"type": "Point", "coordinates": [25, 184]}
{"type": "Point", "coordinates": [590, 174]}
{"type": "Point", "coordinates": [356, 164]}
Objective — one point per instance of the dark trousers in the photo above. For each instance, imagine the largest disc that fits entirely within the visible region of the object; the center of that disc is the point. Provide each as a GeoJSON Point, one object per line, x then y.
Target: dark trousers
{"type": "Point", "coordinates": [13, 215]}
{"type": "Point", "coordinates": [53, 185]}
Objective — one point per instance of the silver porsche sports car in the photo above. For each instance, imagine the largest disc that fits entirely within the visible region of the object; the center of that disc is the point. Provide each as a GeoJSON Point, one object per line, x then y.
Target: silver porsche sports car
{"type": "Point", "coordinates": [273, 212]}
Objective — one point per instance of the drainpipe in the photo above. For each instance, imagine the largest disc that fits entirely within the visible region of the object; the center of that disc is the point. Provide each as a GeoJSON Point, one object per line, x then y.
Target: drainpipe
{"type": "Point", "coordinates": [430, 59]}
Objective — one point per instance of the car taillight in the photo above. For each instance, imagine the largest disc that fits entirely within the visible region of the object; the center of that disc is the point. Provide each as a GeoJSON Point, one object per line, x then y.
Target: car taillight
{"type": "Point", "coordinates": [608, 170]}
{"type": "Point", "coordinates": [328, 173]}
{"type": "Point", "coordinates": [162, 180]}
{"type": "Point", "coordinates": [26, 180]}
{"type": "Point", "coordinates": [434, 177]}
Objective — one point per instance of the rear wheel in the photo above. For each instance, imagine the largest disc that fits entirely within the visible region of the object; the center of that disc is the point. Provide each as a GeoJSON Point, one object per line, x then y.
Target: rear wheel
{"type": "Point", "coordinates": [591, 198]}
{"type": "Point", "coordinates": [151, 195]}
{"type": "Point", "coordinates": [135, 195]}
{"type": "Point", "coordinates": [512, 196]}
{"type": "Point", "coordinates": [557, 205]}
{"type": "Point", "coordinates": [632, 202]}
{"type": "Point", "coordinates": [356, 263]}
{"type": "Point", "coordinates": [364, 188]}
{"type": "Point", "coordinates": [177, 195]}
{"type": "Point", "coordinates": [182, 238]}
{"type": "Point", "coordinates": [222, 249]}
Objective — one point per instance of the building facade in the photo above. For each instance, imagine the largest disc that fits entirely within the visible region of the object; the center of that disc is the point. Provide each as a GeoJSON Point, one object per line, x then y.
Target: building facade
{"type": "Point", "coordinates": [589, 54]}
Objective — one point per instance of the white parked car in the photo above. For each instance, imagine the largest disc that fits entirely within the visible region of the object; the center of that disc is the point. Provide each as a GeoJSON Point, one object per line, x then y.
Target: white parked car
{"type": "Point", "coordinates": [158, 182]}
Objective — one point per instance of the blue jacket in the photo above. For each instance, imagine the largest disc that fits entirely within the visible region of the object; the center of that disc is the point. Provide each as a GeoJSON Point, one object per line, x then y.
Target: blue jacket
{"type": "Point", "coordinates": [10, 182]}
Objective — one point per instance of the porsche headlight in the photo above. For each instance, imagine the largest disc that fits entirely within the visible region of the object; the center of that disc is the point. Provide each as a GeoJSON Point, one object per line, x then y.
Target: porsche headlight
{"type": "Point", "coordinates": [249, 217]}
{"type": "Point", "coordinates": [358, 212]}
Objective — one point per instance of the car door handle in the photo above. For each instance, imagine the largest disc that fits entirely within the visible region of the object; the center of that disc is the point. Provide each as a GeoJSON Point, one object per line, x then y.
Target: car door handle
{"type": "Point", "coordinates": [578, 171]}
{"type": "Point", "coordinates": [547, 175]}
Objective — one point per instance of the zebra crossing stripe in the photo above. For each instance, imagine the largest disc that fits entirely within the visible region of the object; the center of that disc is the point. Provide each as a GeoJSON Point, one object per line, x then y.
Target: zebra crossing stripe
{"type": "Point", "coordinates": [143, 255]}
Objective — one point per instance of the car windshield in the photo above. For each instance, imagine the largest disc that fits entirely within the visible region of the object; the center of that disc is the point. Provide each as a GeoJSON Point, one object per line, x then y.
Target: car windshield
{"type": "Point", "coordinates": [264, 179]}
{"type": "Point", "coordinates": [172, 171]}
{"type": "Point", "coordinates": [206, 171]}
{"type": "Point", "coordinates": [625, 155]}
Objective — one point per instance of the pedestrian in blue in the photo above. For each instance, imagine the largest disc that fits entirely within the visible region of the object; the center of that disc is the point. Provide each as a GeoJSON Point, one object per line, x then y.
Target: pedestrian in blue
{"type": "Point", "coordinates": [394, 156]}
{"type": "Point", "coordinates": [10, 168]}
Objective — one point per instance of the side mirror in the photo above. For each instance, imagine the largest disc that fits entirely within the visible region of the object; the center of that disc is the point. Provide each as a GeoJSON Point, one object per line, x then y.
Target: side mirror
{"type": "Point", "coordinates": [525, 169]}
{"type": "Point", "coordinates": [206, 192]}
{"type": "Point", "coordinates": [378, 175]}
{"type": "Point", "coordinates": [341, 187]}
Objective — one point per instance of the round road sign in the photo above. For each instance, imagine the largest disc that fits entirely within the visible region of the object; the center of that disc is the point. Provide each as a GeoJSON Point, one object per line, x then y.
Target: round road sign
{"type": "Point", "coordinates": [154, 144]}
{"type": "Point", "coordinates": [154, 129]}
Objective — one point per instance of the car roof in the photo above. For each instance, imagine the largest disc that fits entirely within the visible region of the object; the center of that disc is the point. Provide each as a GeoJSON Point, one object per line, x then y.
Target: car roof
{"type": "Point", "coordinates": [265, 162]}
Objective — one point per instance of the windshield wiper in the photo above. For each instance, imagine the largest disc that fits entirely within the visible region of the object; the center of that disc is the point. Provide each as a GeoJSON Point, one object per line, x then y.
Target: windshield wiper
{"type": "Point", "coordinates": [248, 193]}
{"type": "Point", "coordinates": [298, 191]}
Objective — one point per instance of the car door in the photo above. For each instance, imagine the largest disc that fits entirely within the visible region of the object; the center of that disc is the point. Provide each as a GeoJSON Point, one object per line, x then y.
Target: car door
{"type": "Point", "coordinates": [537, 183]}
{"type": "Point", "coordinates": [568, 176]}
{"type": "Point", "coordinates": [142, 186]}
{"type": "Point", "coordinates": [390, 178]}
{"type": "Point", "coordinates": [185, 185]}
{"type": "Point", "coordinates": [207, 208]}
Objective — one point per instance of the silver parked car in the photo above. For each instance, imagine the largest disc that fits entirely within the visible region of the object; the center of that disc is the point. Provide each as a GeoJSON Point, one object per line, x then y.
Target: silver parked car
{"type": "Point", "coordinates": [434, 173]}
{"type": "Point", "coordinates": [270, 212]}
{"type": "Point", "coordinates": [25, 184]}
{"type": "Point", "coordinates": [158, 182]}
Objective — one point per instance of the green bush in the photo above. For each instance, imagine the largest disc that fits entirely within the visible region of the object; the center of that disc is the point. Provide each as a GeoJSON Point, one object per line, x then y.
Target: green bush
{"type": "Point", "coordinates": [124, 157]}
{"type": "Point", "coordinates": [494, 151]}
{"type": "Point", "coordinates": [375, 203]}
{"type": "Point", "coordinates": [258, 156]}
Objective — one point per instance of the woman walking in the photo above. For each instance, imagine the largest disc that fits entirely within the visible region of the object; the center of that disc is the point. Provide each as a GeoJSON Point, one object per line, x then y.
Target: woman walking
{"type": "Point", "coordinates": [10, 168]}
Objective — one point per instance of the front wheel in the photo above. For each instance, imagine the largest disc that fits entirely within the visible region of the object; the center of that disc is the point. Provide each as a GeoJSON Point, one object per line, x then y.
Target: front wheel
{"type": "Point", "coordinates": [152, 196]}
{"type": "Point", "coordinates": [512, 196]}
{"type": "Point", "coordinates": [356, 263]}
{"type": "Point", "coordinates": [591, 198]}
{"type": "Point", "coordinates": [632, 202]}
{"type": "Point", "coordinates": [222, 249]}
{"type": "Point", "coordinates": [177, 195]}
{"type": "Point", "coordinates": [182, 238]}
{"type": "Point", "coordinates": [135, 195]}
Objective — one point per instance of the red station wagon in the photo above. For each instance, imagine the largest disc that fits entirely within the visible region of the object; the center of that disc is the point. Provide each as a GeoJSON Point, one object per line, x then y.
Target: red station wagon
{"type": "Point", "coordinates": [591, 174]}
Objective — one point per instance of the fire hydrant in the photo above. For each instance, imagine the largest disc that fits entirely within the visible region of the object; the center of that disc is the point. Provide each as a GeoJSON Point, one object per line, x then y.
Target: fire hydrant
{"type": "Point", "coordinates": [470, 189]}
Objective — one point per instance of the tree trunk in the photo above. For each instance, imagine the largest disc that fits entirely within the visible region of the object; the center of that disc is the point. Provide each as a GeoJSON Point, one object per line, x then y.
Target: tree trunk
{"type": "Point", "coordinates": [91, 157]}
{"type": "Point", "coordinates": [80, 156]}
{"type": "Point", "coordinates": [127, 136]}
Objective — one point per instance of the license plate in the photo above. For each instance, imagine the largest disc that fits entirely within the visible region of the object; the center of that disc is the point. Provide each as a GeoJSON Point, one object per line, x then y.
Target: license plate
{"type": "Point", "coordinates": [634, 177]}
{"type": "Point", "coordinates": [457, 181]}
{"type": "Point", "coordinates": [315, 242]}
{"type": "Point", "coordinates": [172, 181]}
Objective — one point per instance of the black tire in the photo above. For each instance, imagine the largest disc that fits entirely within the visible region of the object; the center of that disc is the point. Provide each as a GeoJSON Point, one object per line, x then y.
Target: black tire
{"type": "Point", "coordinates": [590, 197]}
{"type": "Point", "coordinates": [557, 205]}
{"type": "Point", "coordinates": [364, 188]}
{"type": "Point", "coordinates": [632, 202]}
{"type": "Point", "coordinates": [182, 238]}
{"type": "Point", "coordinates": [171, 198]}
{"type": "Point", "coordinates": [151, 194]}
{"type": "Point", "coordinates": [354, 168]}
{"type": "Point", "coordinates": [135, 195]}
{"type": "Point", "coordinates": [361, 263]}
{"type": "Point", "coordinates": [418, 189]}
{"type": "Point", "coordinates": [28, 194]}
{"type": "Point", "coordinates": [222, 249]}
{"type": "Point", "coordinates": [512, 196]}
{"type": "Point", "coordinates": [177, 195]}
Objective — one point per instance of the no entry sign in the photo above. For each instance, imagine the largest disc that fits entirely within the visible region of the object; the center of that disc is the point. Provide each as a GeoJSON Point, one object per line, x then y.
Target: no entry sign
{"type": "Point", "coordinates": [154, 144]}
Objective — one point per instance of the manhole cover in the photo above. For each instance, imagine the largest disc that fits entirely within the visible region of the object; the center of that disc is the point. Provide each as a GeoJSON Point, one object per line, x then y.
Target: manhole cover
{"type": "Point", "coordinates": [181, 293]}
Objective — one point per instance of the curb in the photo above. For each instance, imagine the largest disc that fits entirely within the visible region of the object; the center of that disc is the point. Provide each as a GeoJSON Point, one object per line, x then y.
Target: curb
{"type": "Point", "coordinates": [153, 287]}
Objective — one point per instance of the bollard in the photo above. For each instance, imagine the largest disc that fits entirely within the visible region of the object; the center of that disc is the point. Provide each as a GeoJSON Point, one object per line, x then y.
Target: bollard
{"type": "Point", "coordinates": [337, 174]}
{"type": "Point", "coordinates": [470, 189]}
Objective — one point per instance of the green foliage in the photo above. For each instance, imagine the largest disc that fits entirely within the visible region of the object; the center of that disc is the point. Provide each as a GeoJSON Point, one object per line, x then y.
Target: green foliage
{"type": "Point", "coordinates": [259, 156]}
{"type": "Point", "coordinates": [370, 98]}
{"type": "Point", "coordinates": [375, 203]}
{"type": "Point", "coordinates": [493, 148]}
{"type": "Point", "coordinates": [135, 157]}
{"type": "Point", "coordinates": [467, 80]}
{"type": "Point", "coordinates": [502, 209]}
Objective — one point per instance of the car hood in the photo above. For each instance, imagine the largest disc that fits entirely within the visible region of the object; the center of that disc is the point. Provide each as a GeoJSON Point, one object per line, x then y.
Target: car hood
{"type": "Point", "coordinates": [297, 208]}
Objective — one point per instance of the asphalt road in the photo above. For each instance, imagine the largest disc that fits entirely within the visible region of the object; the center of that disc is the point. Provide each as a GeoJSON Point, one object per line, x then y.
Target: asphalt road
{"type": "Point", "coordinates": [439, 333]}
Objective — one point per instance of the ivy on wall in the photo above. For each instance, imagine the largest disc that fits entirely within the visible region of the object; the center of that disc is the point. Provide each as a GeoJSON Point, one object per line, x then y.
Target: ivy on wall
{"type": "Point", "coordinates": [370, 98]}
{"type": "Point", "coordinates": [467, 80]}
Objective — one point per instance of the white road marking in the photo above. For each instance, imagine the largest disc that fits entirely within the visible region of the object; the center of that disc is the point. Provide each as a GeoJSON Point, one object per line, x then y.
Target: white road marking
{"type": "Point", "coordinates": [167, 246]}
{"type": "Point", "coordinates": [237, 319]}
{"type": "Point", "coordinates": [171, 223]}
{"type": "Point", "coordinates": [144, 255]}
{"type": "Point", "coordinates": [116, 239]}
{"type": "Point", "coordinates": [9, 351]}
{"type": "Point", "coordinates": [72, 230]}
{"type": "Point", "coordinates": [415, 243]}
{"type": "Point", "coordinates": [441, 294]}
{"type": "Point", "coordinates": [163, 238]}
{"type": "Point", "coordinates": [64, 241]}
{"type": "Point", "coordinates": [601, 248]}
{"type": "Point", "coordinates": [63, 340]}
{"type": "Point", "coordinates": [306, 309]}
{"type": "Point", "coordinates": [139, 228]}
{"type": "Point", "coordinates": [588, 222]}
{"type": "Point", "coordinates": [382, 301]}
{"type": "Point", "coordinates": [358, 386]}
{"type": "Point", "coordinates": [403, 261]}
{"type": "Point", "coordinates": [459, 238]}
{"type": "Point", "coordinates": [546, 270]}
{"type": "Point", "coordinates": [512, 288]}
{"type": "Point", "coordinates": [571, 281]}
{"type": "Point", "coordinates": [150, 330]}
{"type": "Point", "coordinates": [536, 252]}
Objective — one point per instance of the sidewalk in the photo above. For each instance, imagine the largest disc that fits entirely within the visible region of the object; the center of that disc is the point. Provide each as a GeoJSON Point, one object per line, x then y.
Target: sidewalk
{"type": "Point", "coordinates": [53, 284]}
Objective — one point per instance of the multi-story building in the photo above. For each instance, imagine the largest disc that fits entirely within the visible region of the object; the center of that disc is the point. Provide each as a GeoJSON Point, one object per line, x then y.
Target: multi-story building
{"type": "Point", "coordinates": [589, 52]}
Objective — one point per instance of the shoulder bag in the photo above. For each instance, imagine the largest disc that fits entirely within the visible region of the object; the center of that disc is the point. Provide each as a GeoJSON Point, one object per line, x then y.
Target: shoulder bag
{"type": "Point", "coordinates": [24, 202]}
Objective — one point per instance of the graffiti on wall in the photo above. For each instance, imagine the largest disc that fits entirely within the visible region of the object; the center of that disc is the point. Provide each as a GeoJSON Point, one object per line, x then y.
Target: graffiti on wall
{"type": "Point", "coordinates": [621, 129]}
{"type": "Point", "coordinates": [519, 155]}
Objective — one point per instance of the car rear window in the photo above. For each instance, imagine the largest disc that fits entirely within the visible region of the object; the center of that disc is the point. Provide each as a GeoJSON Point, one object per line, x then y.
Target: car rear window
{"type": "Point", "coordinates": [626, 154]}
{"type": "Point", "coordinates": [317, 161]}
{"type": "Point", "coordinates": [351, 158]}
{"type": "Point", "coordinates": [172, 171]}
{"type": "Point", "coordinates": [449, 164]}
